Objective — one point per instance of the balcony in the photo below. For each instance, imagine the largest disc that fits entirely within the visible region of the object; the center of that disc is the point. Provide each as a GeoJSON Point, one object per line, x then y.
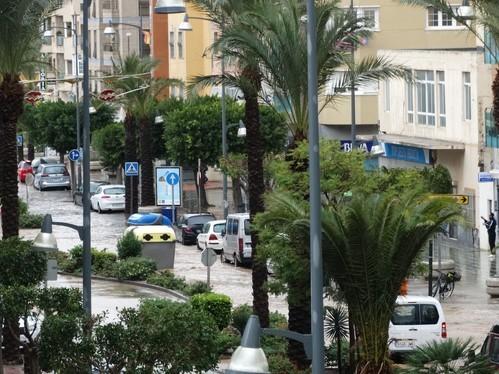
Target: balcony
{"type": "Point", "coordinates": [491, 131]}
{"type": "Point", "coordinates": [491, 55]}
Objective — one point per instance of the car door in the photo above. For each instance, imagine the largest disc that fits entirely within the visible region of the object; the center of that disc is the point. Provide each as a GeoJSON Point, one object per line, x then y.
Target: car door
{"type": "Point", "coordinates": [203, 235]}
{"type": "Point", "coordinates": [404, 326]}
{"type": "Point", "coordinates": [225, 242]}
{"type": "Point", "coordinates": [95, 198]}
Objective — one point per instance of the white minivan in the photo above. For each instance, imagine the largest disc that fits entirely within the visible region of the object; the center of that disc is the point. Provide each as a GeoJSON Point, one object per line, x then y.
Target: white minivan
{"type": "Point", "coordinates": [237, 239]}
{"type": "Point", "coordinates": [416, 320]}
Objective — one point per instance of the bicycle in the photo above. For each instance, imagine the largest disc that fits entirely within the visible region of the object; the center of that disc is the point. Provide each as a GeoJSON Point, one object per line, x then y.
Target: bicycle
{"type": "Point", "coordinates": [444, 285]}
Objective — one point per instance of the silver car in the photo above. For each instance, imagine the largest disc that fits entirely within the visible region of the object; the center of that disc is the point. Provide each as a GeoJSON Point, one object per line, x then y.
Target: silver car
{"type": "Point", "coordinates": [52, 175]}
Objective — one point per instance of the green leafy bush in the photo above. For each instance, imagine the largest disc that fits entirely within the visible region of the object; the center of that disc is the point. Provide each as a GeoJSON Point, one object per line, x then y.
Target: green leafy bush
{"type": "Point", "coordinates": [20, 264]}
{"type": "Point", "coordinates": [240, 316]}
{"type": "Point", "coordinates": [197, 287]}
{"type": "Point", "coordinates": [28, 220]}
{"type": "Point", "coordinates": [229, 340]}
{"type": "Point", "coordinates": [135, 268]}
{"type": "Point", "coordinates": [65, 262]}
{"type": "Point", "coordinates": [168, 280]}
{"type": "Point", "coordinates": [280, 364]}
{"type": "Point", "coordinates": [218, 305]}
{"type": "Point", "coordinates": [129, 246]}
{"type": "Point", "coordinates": [104, 262]}
{"type": "Point", "coordinates": [76, 256]}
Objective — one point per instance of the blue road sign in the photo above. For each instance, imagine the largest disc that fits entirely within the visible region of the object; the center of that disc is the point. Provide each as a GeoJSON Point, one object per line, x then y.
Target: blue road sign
{"type": "Point", "coordinates": [74, 155]}
{"type": "Point", "coordinates": [20, 140]}
{"type": "Point", "coordinates": [172, 179]}
{"type": "Point", "coordinates": [131, 169]}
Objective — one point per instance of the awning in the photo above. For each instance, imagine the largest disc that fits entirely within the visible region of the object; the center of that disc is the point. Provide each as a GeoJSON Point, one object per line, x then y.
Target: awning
{"type": "Point", "coordinates": [419, 142]}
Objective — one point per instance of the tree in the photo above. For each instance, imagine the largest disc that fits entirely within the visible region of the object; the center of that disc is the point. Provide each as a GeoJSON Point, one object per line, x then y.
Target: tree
{"type": "Point", "coordinates": [163, 107]}
{"type": "Point", "coordinates": [194, 132]}
{"type": "Point", "coordinates": [109, 142]}
{"type": "Point", "coordinates": [19, 43]}
{"type": "Point", "coordinates": [369, 244]}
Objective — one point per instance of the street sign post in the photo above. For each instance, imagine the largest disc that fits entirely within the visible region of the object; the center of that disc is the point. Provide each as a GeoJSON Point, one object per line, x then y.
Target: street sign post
{"type": "Point", "coordinates": [168, 186]}
{"type": "Point", "coordinates": [74, 155]}
{"type": "Point", "coordinates": [19, 140]}
{"type": "Point", "coordinates": [131, 170]}
{"type": "Point", "coordinates": [208, 258]}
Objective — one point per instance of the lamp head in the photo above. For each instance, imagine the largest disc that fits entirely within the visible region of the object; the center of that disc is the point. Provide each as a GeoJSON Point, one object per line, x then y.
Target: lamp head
{"type": "Point", "coordinates": [169, 7]}
{"type": "Point", "coordinates": [241, 131]}
{"type": "Point", "coordinates": [185, 25]}
{"type": "Point", "coordinates": [466, 10]}
{"type": "Point", "coordinates": [109, 30]}
{"type": "Point", "coordinates": [249, 357]}
{"type": "Point", "coordinates": [47, 34]}
{"type": "Point", "coordinates": [45, 240]}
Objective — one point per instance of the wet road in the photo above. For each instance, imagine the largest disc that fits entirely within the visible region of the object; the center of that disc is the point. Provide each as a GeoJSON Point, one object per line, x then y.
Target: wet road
{"type": "Point", "coordinates": [470, 312]}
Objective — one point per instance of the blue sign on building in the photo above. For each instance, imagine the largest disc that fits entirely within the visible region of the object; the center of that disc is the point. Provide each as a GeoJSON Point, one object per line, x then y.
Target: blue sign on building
{"type": "Point", "coordinates": [346, 145]}
{"type": "Point", "coordinates": [484, 177]}
{"type": "Point", "coordinates": [406, 153]}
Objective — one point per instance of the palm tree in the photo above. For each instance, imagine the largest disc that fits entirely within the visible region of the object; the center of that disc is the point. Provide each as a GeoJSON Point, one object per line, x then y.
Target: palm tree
{"type": "Point", "coordinates": [336, 328]}
{"type": "Point", "coordinates": [369, 244]}
{"type": "Point", "coordinates": [19, 46]}
{"type": "Point", "coordinates": [140, 91]}
{"type": "Point", "coordinates": [274, 35]}
{"type": "Point", "coordinates": [451, 356]}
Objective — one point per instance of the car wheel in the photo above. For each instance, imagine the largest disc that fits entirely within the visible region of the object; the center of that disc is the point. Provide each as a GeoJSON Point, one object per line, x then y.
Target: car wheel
{"type": "Point", "coordinates": [199, 247]}
{"type": "Point", "coordinates": [99, 209]}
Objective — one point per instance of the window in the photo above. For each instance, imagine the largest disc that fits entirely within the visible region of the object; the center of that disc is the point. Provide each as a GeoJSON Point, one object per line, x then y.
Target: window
{"type": "Point", "coordinates": [429, 315]}
{"type": "Point", "coordinates": [235, 227]}
{"type": "Point", "coordinates": [442, 119]}
{"type": "Point", "coordinates": [180, 44]}
{"type": "Point", "coordinates": [369, 16]}
{"type": "Point", "coordinates": [144, 8]}
{"type": "Point", "coordinates": [247, 227]}
{"type": "Point", "coordinates": [69, 67]}
{"type": "Point", "coordinates": [95, 44]}
{"type": "Point", "coordinates": [409, 87]}
{"type": "Point", "coordinates": [69, 30]}
{"type": "Point", "coordinates": [172, 44]}
{"type": "Point", "coordinates": [425, 97]}
{"type": "Point", "coordinates": [218, 228]}
{"type": "Point", "coordinates": [405, 315]}
{"type": "Point", "coordinates": [467, 95]}
{"type": "Point", "coordinates": [387, 95]}
{"type": "Point", "coordinates": [437, 19]}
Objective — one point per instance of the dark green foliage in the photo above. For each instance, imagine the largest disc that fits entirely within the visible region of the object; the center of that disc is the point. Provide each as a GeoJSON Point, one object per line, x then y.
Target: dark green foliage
{"type": "Point", "coordinates": [135, 268]}
{"type": "Point", "coordinates": [218, 305]}
{"type": "Point", "coordinates": [129, 246]}
{"type": "Point", "coordinates": [109, 141]}
{"type": "Point", "coordinates": [163, 107]}
{"type": "Point", "coordinates": [103, 263]}
{"type": "Point", "coordinates": [336, 329]}
{"type": "Point", "coordinates": [332, 353]}
{"type": "Point", "coordinates": [240, 316]}
{"type": "Point", "coordinates": [279, 363]}
{"type": "Point", "coordinates": [448, 356]}
{"type": "Point", "coordinates": [168, 280]}
{"type": "Point", "coordinates": [103, 116]}
{"type": "Point", "coordinates": [21, 266]}
{"type": "Point", "coordinates": [28, 220]}
{"type": "Point", "coordinates": [229, 340]}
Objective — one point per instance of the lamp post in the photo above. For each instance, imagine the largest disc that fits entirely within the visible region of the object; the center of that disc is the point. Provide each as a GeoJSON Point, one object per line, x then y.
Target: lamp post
{"type": "Point", "coordinates": [49, 34]}
{"type": "Point", "coordinates": [177, 6]}
{"type": "Point", "coordinates": [110, 30]}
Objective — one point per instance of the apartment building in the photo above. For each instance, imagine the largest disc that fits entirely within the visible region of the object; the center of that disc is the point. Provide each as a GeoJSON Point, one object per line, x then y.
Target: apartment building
{"type": "Point", "coordinates": [116, 28]}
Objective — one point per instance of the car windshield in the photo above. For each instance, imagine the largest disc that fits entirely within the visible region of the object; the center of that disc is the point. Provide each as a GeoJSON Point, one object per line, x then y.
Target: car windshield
{"type": "Point", "coordinates": [405, 315]}
{"type": "Point", "coordinates": [247, 227]}
{"type": "Point", "coordinates": [26, 165]}
{"type": "Point", "coordinates": [199, 220]}
{"type": "Point", "coordinates": [54, 170]}
{"type": "Point", "coordinates": [114, 191]}
{"type": "Point", "coordinates": [218, 228]}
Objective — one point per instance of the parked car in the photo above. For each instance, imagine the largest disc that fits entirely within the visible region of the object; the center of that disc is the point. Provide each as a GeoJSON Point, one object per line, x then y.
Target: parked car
{"type": "Point", "coordinates": [190, 225]}
{"type": "Point", "coordinates": [211, 236]}
{"type": "Point", "coordinates": [36, 162]}
{"type": "Point", "coordinates": [108, 198]}
{"type": "Point", "coordinates": [52, 175]}
{"type": "Point", "coordinates": [78, 193]}
{"type": "Point", "coordinates": [237, 239]}
{"type": "Point", "coordinates": [416, 320]}
{"type": "Point", "coordinates": [490, 347]}
{"type": "Point", "coordinates": [23, 169]}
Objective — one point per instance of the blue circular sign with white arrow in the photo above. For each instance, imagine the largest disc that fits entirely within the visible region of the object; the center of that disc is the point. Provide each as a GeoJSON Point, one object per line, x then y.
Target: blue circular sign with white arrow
{"type": "Point", "coordinates": [172, 179]}
{"type": "Point", "coordinates": [74, 155]}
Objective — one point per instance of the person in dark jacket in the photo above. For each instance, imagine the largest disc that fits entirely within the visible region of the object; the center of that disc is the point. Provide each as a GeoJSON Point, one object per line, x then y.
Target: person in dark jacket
{"type": "Point", "coordinates": [491, 225]}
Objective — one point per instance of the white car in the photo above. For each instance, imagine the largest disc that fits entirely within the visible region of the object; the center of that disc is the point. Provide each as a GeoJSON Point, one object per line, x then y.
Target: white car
{"type": "Point", "coordinates": [108, 198]}
{"type": "Point", "coordinates": [211, 236]}
{"type": "Point", "coordinates": [416, 320]}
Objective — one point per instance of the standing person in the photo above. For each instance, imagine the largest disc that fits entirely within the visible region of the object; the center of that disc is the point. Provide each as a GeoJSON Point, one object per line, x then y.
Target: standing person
{"type": "Point", "coordinates": [491, 225]}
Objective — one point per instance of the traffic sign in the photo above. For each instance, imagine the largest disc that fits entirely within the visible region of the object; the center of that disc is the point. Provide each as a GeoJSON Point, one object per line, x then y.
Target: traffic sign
{"type": "Point", "coordinates": [74, 155]}
{"type": "Point", "coordinates": [20, 140]}
{"type": "Point", "coordinates": [208, 257]}
{"type": "Point", "coordinates": [459, 199]}
{"type": "Point", "coordinates": [172, 179]}
{"type": "Point", "coordinates": [131, 169]}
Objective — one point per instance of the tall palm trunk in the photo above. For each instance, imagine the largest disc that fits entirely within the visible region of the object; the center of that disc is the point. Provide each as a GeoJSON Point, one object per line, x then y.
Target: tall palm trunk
{"type": "Point", "coordinates": [131, 202]}
{"type": "Point", "coordinates": [495, 92]}
{"type": "Point", "coordinates": [254, 144]}
{"type": "Point", "coordinates": [147, 175]}
{"type": "Point", "coordinates": [31, 151]}
{"type": "Point", "coordinates": [11, 108]}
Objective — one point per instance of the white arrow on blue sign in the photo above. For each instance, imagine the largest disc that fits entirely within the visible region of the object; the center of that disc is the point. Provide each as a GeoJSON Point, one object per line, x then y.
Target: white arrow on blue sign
{"type": "Point", "coordinates": [74, 155]}
{"type": "Point", "coordinates": [131, 169]}
{"type": "Point", "coordinates": [20, 140]}
{"type": "Point", "coordinates": [172, 179]}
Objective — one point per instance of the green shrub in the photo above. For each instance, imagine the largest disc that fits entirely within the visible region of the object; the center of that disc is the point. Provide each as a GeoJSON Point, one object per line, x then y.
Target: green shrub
{"type": "Point", "coordinates": [135, 268]}
{"type": "Point", "coordinates": [278, 320]}
{"type": "Point", "coordinates": [229, 340]}
{"type": "Point", "coordinates": [129, 246]}
{"type": "Point", "coordinates": [240, 316]}
{"type": "Point", "coordinates": [103, 262]}
{"type": "Point", "coordinates": [28, 220]}
{"type": "Point", "coordinates": [331, 353]}
{"type": "Point", "coordinates": [76, 256]}
{"type": "Point", "coordinates": [65, 263]}
{"type": "Point", "coordinates": [168, 280]}
{"type": "Point", "coordinates": [218, 305]}
{"type": "Point", "coordinates": [20, 264]}
{"type": "Point", "coordinates": [196, 288]}
{"type": "Point", "coordinates": [280, 364]}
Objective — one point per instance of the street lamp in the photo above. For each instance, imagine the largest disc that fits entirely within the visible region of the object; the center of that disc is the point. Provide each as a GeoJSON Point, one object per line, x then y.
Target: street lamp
{"type": "Point", "coordinates": [109, 30]}
{"type": "Point", "coordinates": [169, 7]}
{"type": "Point", "coordinates": [465, 10]}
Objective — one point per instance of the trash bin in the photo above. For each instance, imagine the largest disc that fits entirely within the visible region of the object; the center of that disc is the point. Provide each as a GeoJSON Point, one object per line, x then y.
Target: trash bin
{"type": "Point", "coordinates": [167, 212]}
{"type": "Point", "coordinates": [148, 219]}
{"type": "Point", "coordinates": [158, 243]}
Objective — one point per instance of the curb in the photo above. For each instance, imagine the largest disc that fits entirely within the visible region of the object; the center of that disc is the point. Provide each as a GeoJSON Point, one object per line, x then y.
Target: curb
{"type": "Point", "coordinates": [143, 284]}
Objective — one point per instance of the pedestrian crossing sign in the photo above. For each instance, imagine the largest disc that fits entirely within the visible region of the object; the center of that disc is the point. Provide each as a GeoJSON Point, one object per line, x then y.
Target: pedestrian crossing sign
{"type": "Point", "coordinates": [131, 169]}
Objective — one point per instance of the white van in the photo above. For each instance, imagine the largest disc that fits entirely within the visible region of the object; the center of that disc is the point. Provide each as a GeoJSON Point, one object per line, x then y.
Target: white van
{"type": "Point", "coordinates": [237, 239]}
{"type": "Point", "coordinates": [415, 321]}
